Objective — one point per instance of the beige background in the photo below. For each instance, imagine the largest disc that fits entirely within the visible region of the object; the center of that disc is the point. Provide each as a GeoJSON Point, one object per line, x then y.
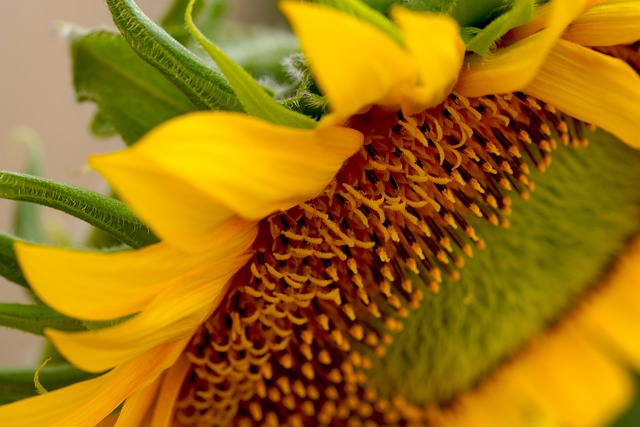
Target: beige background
{"type": "Point", "coordinates": [36, 92]}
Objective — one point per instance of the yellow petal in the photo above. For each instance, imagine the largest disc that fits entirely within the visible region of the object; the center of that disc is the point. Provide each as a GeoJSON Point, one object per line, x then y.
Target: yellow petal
{"type": "Point", "coordinates": [612, 313]}
{"type": "Point", "coordinates": [102, 286]}
{"type": "Point", "coordinates": [176, 211]}
{"type": "Point", "coordinates": [607, 25]}
{"type": "Point", "coordinates": [512, 68]}
{"type": "Point", "coordinates": [355, 64]}
{"type": "Point", "coordinates": [439, 60]}
{"type": "Point", "coordinates": [173, 315]}
{"type": "Point", "coordinates": [591, 87]}
{"type": "Point", "coordinates": [88, 402]}
{"type": "Point", "coordinates": [168, 395]}
{"type": "Point", "coordinates": [561, 380]}
{"type": "Point", "coordinates": [190, 173]}
{"type": "Point", "coordinates": [541, 19]}
{"type": "Point", "coordinates": [568, 381]}
{"type": "Point", "coordinates": [136, 408]}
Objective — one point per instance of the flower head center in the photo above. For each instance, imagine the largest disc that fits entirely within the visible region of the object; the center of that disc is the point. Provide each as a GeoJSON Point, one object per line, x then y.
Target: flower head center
{"type": "Point", "coordinates": [335, 280]}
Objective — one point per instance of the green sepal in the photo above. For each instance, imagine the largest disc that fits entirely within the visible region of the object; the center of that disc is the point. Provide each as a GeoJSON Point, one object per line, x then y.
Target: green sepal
{"type": "Point", "coordinates": [485, 39]}
{"type": "Point", "coordinates": [133, 96]}
{"type": "Point", "coordinates": [201, 84]}
{"type": "Point", "coordinates": [19, 384]}
{"type": "Point", "coordinates": [27, 223]}
{"type": "Point", "coordinates": [306, 97]}
{"type": "Point", "coordinates": [34, 319]}
{"type": "Point", "coordinates": [9, 268]}
{"type": "Point", "coordinates": [173, 19]}
{"type": "Point", "coordinates": [102, 212]}
{"type": "Point", "coordinates": [366, 13]}
{"type": "Point", "coordinates": [380, 5]}
{"type": "Point", "coordinates": [252, 96]}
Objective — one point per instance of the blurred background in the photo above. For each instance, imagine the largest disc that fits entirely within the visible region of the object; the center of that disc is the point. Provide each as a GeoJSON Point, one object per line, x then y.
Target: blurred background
{"type": "Point", "coordinates": [37, 94]}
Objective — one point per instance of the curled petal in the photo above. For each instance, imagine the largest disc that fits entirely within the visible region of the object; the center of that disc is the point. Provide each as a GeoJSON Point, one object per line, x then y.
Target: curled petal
{"type": "Point", "coordinates": [190, 174]}
{"type": "Point", "coordinates": [513, 67]}
{"type": "Point", "coordinates": [439, 61]}
{"type": "Point", "coordinates": [100, 286]}
{"type": "Point", "coordinates": [355, 64]}
{"type": "Point", "coordinates": [591, 87]}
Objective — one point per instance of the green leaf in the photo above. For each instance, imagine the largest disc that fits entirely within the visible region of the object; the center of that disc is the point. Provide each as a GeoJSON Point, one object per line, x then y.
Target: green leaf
{"type": "Point", "coordinates": [201, 84]}
{"type": "Point", "coordinates": [34, 318]}
{"type": "Point", "coordinates": [133, 96]}
{"type": "Point", "coordinates": [253, 97]}
{"type": "Point", "coordinates": [26, 218]}
{"type": "Point", "coordinates": [520, 13]}
{"type": "Point", "coordinates": [9, 268]}
{"type": "Point", "coordinates": [19, 384]}
{"type": "Point", "coordinates": [102, 212]}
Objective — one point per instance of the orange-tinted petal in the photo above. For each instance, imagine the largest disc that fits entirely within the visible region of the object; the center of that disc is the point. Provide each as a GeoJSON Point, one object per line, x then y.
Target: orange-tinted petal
{"type": "Point", "coordinates": [355, 63]}
{"type": "Point", "coordinates": [100, 286]}
{"type": "Point", "coordinates": [512, 68]}
{"type": "Point", "coordinates": [174, 314]}
{"type": "Point", "coordinates": [439, 60]}
{"type": "Point", "coordinates": [88, 402]}
{"type": "Point", "coordinates": [607, 25]}
{"type": "Point", "coordinates": [168, 395]}
{"type": "Point", "coordinates": [135, 410]}
{"type": "Point", "coordinates": [189, 174]}
{"type": "Point", "coordinates": [591, 87]}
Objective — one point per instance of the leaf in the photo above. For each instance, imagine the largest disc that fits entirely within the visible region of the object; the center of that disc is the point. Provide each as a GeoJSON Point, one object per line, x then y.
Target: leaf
{"type": "Point", "coordinates": [133, 97]}
{"type": "Point", "coordinates": [34, 319]}
{"type": "Point", "coordinates": [19, 384]}
{"type": "Point", "coordinates": [102, 212]}
{"type": "Point", "coordinates": [9, 268]}
{"type": "Point", "coordinates": [205, 87]}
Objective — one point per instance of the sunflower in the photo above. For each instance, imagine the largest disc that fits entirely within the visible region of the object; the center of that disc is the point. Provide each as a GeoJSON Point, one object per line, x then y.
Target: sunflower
{"type": "Point", "coordinates": [357, 271]}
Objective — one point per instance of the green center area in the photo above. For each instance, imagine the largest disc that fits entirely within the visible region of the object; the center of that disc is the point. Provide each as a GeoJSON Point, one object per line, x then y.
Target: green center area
{"type": "Point", "coordinates": [582, 214]}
